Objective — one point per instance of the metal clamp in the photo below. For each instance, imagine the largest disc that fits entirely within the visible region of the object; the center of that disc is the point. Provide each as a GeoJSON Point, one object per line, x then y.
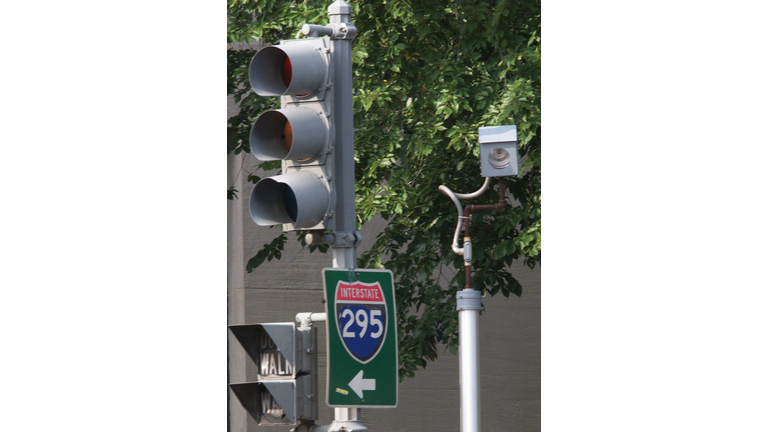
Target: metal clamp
{"type": "Point", "coordinates": [467, 250]}
{"type": "Point", "coordinates": [305, 319]}
{"type": "Point", "coordinates": [336, 239]}
{"type": "Point", "coordinates": [468, 299]}
{"type": "Point", "coordinates": [345, 31]}
{"type": "Point", "coordinates": [345, 239]}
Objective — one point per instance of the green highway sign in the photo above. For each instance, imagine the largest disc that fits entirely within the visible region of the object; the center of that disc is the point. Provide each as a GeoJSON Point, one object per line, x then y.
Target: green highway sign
{"type": "Point", "coordinates": [362, 338]}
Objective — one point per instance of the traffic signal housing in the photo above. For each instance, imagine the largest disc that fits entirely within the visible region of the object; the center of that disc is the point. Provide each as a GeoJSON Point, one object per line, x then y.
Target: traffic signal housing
{"type": "Point", "coordinates": [285, 391]}
{"type": "Point", "coordinates": [300, 134]}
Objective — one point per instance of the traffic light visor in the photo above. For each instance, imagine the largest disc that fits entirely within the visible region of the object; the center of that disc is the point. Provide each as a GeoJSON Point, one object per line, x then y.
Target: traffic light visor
{"type": "Point", "coordinates": [297, 69]}
{"type": "Point", "coordinates": [300, 198]}
{"type": "Point", "coordinates": [293, 133]}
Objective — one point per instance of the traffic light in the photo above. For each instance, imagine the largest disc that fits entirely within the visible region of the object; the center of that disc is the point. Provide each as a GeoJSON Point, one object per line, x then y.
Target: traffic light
{"type": "Point", "coordinates": [285, 391]}
{"type": "Point", "coordinates": [300, 134]}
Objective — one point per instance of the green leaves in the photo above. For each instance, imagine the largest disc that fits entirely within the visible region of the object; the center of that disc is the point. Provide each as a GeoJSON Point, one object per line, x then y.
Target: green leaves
{"type": "Point", "coordinates": [426, 76]}
{"type": "Point", "coordinates": [270, 251]}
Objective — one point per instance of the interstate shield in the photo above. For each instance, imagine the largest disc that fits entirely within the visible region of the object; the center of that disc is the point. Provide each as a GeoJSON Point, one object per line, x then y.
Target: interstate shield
{"type": "Point", "coordinates": [361, 318]}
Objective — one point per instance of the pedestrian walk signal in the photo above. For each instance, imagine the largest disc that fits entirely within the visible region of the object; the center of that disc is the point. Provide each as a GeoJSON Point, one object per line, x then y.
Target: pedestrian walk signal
{"type": "Point", "coordinates": [284, 391]}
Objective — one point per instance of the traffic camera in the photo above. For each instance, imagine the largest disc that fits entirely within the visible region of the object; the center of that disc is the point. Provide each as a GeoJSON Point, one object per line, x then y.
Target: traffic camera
{"type": "Point", "coordinates": [498, 151]}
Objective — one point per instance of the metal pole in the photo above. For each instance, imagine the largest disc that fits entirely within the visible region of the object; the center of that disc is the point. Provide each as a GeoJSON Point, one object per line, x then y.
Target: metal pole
{"type": "Point", "coordinates": [344, 253]}
{"type": "Point", "coordinates": [341, 47]}
{"type": "Point", "coordinates": [468, 304]}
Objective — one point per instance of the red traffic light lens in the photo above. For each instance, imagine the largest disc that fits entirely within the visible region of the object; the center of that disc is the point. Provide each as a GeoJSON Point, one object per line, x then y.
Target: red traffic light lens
{"type": "Point", "coordinates": [288, 76]}
{"type": "Point", "coordinates": [287, 71]}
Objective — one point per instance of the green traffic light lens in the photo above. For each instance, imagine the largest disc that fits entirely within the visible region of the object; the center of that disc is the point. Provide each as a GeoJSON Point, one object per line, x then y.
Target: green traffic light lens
{"type": "Point", "coordinates": [291, 204]}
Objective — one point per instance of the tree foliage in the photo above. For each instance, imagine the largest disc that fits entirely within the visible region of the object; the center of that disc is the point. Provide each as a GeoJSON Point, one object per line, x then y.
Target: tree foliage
{"type": "Point", "coordinates": [426, 75]}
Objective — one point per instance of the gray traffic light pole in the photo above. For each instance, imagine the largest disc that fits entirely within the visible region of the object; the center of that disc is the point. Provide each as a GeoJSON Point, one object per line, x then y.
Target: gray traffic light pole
{"type": "Point", "coordinates": [341, 46]}
{"type": "Point", "coordinates": [345, 238]}
{"type": "Point", "coordinates": [344, 255]}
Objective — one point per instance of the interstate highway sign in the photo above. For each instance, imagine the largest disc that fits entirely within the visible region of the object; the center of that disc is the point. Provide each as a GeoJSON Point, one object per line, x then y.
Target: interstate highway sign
{"type": "Point", "coordinates": [362, 338]}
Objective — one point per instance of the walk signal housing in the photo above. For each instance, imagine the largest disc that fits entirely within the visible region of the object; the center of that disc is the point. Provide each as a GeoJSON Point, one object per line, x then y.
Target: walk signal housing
{"type": "Point", "coordinates": [300, 134]}
{"type": "Point", "coordinates": [498, 151]}
{"type": "Point", "coordinates": [285, 391]}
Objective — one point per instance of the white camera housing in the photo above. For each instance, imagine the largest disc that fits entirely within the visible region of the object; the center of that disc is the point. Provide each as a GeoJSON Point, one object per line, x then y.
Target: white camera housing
{"type": "Point", "coordinates": [498, 151]}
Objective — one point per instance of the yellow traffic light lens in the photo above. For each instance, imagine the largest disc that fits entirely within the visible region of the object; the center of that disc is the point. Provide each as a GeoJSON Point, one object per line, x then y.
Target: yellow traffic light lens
{"type": "Point", "coordinates": [287, 136]}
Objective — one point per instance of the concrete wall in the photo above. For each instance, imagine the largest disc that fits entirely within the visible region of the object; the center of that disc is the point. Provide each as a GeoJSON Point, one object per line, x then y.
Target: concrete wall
{"type": "Point", "coordinates": [510, 333]}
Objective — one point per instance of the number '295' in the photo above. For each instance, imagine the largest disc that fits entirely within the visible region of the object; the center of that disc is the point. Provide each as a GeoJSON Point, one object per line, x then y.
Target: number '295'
{"type": "Point", "coordinates": [361, 318]}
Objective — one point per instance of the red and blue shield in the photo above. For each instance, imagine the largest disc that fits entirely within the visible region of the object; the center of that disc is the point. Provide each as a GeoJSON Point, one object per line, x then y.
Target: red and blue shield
{"type": "Point", "coordinates": [361, 318]}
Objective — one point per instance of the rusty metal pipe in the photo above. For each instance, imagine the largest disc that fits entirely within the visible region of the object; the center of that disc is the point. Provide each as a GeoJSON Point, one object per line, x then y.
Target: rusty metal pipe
{"type": "Point", "coordinates": [467, 212]}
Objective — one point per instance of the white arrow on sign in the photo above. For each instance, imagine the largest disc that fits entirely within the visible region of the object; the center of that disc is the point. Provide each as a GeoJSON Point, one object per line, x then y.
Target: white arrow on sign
{"type": "Point", "coordinates": [358, 384]}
